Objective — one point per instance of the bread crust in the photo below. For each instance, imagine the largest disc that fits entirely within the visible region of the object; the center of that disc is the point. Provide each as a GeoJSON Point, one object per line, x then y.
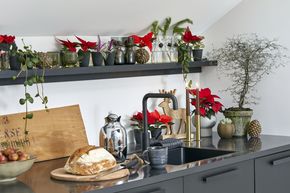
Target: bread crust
{"type": "Point", "coordinates": [75, 167]}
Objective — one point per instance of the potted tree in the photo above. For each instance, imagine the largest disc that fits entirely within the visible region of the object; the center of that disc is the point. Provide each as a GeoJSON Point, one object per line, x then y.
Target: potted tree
{"type": "Point", "coordinates": [84, 53]}
{"type": "Point", "coordinates": [245, 59]}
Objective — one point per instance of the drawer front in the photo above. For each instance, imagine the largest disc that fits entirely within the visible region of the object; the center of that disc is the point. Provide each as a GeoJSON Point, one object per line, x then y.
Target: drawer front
{"type": "Point", "coordinates": [273, 173]}
{"type": "Point", "coordinates": [170, 186]}
{"type": "Point", "coordinates": [238, 178]}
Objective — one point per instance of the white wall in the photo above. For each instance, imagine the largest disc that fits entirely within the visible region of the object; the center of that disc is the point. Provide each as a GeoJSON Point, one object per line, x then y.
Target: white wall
{"type": "Point", "coordinates": [269, 19]}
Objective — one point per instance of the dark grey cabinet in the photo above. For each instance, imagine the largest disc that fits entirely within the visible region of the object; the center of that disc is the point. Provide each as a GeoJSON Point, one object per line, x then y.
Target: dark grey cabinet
{"type": "Point", "coordinates": [273, 173]}
{"type": "Point", "coordinates": [170, 186]}
{"type": "Point", "coordinates": [237, 178]}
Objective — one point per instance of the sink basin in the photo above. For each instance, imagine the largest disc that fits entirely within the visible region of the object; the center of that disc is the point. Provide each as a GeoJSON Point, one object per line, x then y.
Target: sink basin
{"type": "Point", "coordinates": [185, 155]}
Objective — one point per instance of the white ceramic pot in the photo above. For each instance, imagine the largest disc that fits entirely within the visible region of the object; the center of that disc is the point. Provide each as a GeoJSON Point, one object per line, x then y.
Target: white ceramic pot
{"type": "Point", "coordinates": [206, 125]}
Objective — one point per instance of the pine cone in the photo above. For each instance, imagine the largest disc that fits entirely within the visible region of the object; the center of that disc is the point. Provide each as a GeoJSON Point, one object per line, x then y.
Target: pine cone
{"type": "Point", "coordinates": [142, 56]}
{"type": "Point", "coordinates": [254, 144]}
{"type": "Point", "coordinates": [254, 128]}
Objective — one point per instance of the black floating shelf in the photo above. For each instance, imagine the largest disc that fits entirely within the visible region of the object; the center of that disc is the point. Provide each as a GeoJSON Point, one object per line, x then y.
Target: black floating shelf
{"type": "Point", "coordinates": [104, 72]}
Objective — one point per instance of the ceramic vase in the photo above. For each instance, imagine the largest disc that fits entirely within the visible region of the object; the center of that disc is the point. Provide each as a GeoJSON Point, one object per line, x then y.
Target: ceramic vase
{"type": "Point", "coordinates": [206, 125]}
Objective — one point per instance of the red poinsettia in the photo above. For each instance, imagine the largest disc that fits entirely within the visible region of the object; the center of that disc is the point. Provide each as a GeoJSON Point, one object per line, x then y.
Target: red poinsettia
{"type": "Point", "coordinates": [144, 41]}
{"type": "Point", "coordinates": [86, 45]}
{"type": "Point", "coordinates": [155, 120]}
{"type": "Point", "coordinates": [7, 39]}
{"type": "Point", "coordinates": [208, 104]}
{"type": "Point", "coordinates": [189, 38]}
{"type": "Point", "coordinates": [71, 46]}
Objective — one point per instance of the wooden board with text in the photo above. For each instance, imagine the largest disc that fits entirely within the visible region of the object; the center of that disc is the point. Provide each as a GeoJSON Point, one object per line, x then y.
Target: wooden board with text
{"type": "Point", "coordinates": [53, 134]}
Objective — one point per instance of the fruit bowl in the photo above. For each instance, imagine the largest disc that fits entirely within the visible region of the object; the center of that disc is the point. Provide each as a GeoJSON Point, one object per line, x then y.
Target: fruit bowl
{"type": "Point", "coordinates": [10, 170]}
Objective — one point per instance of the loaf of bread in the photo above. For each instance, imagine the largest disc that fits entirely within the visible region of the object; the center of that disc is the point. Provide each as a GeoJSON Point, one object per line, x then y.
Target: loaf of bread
{"type": "Point", "coordinates": [89, 160]}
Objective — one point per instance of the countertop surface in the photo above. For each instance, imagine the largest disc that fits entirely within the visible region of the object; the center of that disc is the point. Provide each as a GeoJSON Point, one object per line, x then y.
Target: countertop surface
{"type": "Point", "coordinates": [37, 179]}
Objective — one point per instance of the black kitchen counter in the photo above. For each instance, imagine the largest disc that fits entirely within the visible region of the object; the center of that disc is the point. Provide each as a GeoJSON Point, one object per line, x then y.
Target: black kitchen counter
{"type": "Point", "coordinates": [38, 179]}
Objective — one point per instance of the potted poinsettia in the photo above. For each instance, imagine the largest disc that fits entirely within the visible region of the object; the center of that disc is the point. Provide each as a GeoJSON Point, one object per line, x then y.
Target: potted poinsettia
{"type": "Point", "coordinates": [156, 122]}
{"type": "Point", "coordinates": [98, 54]}
{"type": "Point", "coordinates": [69, 53]}
{"type": "Point", "coordinates": [197, 48]}
{"type": "Point", "coordinates": [142, 56]}
{"type": "Point", "coordinates": [84, 52]}
{"type": "Point", "coordinates": [9, 48]}
{"type": "Point", "coordinates": [209, 107]}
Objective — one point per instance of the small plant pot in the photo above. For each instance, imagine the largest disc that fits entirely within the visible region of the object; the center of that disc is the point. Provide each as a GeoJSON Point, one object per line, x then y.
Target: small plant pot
{"type": "Point", "coordinates": [110, 60]}
{"type": "Point", "coordinates": [69, 59]}
{"type": "Point", "coordinates": [156, 133]}
{"type": "Point", "coordinates": [226, 131]}
{"type": "Point", "coordinates": [197, 54]}
{"type": "Point", "coordinates": [206, 125]}
{"type": "Point", "coordinates": [14, 62]}
{"type": "Point", "coordinates": [84, 58]}
{"type": "Point", "coordinates": [98, 59]}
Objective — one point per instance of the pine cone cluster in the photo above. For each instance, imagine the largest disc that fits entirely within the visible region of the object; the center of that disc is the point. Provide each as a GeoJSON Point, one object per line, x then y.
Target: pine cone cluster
{"type": "Point", "coordinates": [142, 56]}
{"type": "Point", "coordinates": [254, 128]}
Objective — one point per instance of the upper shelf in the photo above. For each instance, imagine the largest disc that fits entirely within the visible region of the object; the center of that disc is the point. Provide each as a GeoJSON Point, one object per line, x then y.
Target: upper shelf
{"type": "Point", "coordinates": [104, 72]}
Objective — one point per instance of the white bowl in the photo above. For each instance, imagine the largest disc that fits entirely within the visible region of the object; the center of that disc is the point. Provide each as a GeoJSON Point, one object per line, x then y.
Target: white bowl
{"type": "Point", "coordinates": [10, 170]}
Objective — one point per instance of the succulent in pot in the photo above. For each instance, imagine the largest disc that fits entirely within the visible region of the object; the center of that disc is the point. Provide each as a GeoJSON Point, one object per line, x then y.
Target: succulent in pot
{"type": "Point", "coordinates": [98, 54]}
{"type": "Point", "coordinates": [209, 107]}
{"type": "Point", "coordinates": [245, 59]}
{"type": "Point", "coordinates": [226, 128]}
{"type": "Point", "coordinates": [84, 53]}
{"type": "Point", "coordinates": [142, 56]}
{"type": "Point", "coordinates": [69, 54]}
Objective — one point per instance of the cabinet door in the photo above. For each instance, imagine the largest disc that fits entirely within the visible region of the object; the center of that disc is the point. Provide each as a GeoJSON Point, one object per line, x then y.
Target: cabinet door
{"type": "Point", "coordinates": [237, 178]}
{"type": "Point", "coordinates": [170, 186]}
{"type": "Point", "coordinates": [273, 173]}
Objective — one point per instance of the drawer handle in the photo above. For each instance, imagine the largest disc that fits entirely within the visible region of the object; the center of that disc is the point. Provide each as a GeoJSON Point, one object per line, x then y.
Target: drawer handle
{"type": "Point", "coordinates": [281, 161]}
{"type": "Point", "coordinates": [157, 191]}
{"type": "Point", "coordinates": [220, 175]}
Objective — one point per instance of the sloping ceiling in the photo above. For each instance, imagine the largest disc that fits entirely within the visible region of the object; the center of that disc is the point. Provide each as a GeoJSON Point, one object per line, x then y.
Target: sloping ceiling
{"type": "Point", "coordinates": [104, 17]}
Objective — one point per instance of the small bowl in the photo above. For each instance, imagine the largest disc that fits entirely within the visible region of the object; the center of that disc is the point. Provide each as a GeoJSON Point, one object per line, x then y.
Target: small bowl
{"type": "Point", "coordinates": [10, 170]}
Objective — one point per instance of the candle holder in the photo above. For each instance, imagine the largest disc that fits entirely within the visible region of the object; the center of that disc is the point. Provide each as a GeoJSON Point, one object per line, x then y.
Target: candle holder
{"type": "Point", "coordinates": [197, 126]}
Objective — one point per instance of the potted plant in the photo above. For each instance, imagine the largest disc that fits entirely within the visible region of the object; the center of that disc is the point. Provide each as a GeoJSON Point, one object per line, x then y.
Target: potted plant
{"type": "Point", "coordinates": [8, 46]}
{"type": "Point", "coordinates": [142, 56]}
{"type": "Point", "coordinates": [69, 53]}
{"type": "Point", "coordinates": [110, 53]}
{"type": "Point", "coordinates": [246, 58]}
{"type": "Point", "coordinates": [197, 48]}
{"type": "Point", "coordinates": [98, 54]}
{"type": "Point", "coordinates": [30, 59]}
{"type": "Point", "coordinates": [85, 52]}
{"type": "Point", "coordinates": [156, 122]}
{"type": "Point", "coordinates": [209, 107]}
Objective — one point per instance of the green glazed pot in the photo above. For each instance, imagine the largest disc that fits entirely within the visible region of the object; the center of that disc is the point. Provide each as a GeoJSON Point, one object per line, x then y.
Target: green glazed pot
{"type": "Point", "coordinates": [69, 58]}
{"type": "Point", "coordinates": [240, 119]}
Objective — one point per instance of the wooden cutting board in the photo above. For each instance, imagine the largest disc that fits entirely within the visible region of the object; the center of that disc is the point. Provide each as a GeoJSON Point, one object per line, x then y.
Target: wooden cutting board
{"type": "Point", "coordinates": [61, 174]}
{"type": "Point", "coordinates": [53, 134]}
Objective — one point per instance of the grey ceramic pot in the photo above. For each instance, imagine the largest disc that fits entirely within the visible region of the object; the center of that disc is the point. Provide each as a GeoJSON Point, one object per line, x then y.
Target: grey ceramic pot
{"type": "Point", "coordinates": [14, 62]}
{"type": "Point", "coordinates": [110, 60]}
{"type": "Point", "coordinates": [98, 59]}
{"type": "Point", "coordinates": [84, 58]}
{"type": "Point", "coordinates": [197, 54]}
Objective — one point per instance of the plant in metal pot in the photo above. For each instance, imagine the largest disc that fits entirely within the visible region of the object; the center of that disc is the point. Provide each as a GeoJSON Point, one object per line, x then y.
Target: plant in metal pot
{"type": "Point", "coordinates": [7, 50]}
{"type": "Point", "coordinates": [69, 54]}
{"type": "Point", "coordinates": [98, 54]}
{"type": "Point", "coordinates": [85, 52]}
{"type": "Point", "coordinates": [208, 108]}
{"type": "Point", "coordinates": [29, 60]}
{"type": "Point", "coordinates": [156, 122]}
{"type": "Point", "coordinates": [246, 59]}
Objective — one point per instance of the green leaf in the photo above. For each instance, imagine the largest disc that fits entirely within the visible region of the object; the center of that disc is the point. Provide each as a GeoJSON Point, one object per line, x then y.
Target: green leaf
{"type": "Point", "coordinates": [28, 63]}
{"type": "Point", "coordinates": [35, 60]}
{"type": "Point", "coordinates": [14, 77]}
{"type": "Point", "coordinates": [27, 95]}
{"type": "Point", "coordinates": [29, 116]}
{"type": "Point", "coordinates": [37, 95]}
{"type": "Point", "coordinates": [30, 100]}
{"type": "Point", "coordinates": [30, 83]}
{"type": "Point", "coordinates": [22, 101]}
{"type": "Point", "coordinates": [41, 79]}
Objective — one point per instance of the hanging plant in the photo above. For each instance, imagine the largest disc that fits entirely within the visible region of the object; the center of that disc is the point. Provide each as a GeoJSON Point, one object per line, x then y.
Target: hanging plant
{"type": "Point", "coordinates": [30, 59]}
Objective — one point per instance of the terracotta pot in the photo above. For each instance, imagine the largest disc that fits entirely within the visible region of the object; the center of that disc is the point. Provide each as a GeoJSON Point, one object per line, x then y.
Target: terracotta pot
{"type": "Point", "coordinates": [240, 119]}
{"type": "Point", "coordinates": [226, 131]}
